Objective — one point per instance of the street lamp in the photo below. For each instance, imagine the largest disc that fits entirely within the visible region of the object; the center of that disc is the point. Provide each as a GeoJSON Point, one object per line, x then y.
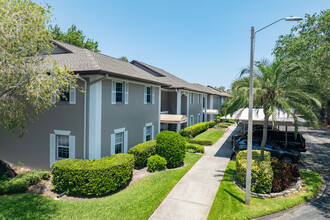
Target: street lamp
{"type": "Point", "coordinates": [249, 148]}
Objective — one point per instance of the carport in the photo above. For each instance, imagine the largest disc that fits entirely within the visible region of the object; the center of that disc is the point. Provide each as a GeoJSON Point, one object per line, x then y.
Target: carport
{"type": "Point", "coordinates": [281, 119]}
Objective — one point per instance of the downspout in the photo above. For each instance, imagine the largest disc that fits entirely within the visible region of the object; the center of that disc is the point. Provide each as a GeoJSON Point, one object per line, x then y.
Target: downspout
{"type": "Point", "coordinates": [85, 113]}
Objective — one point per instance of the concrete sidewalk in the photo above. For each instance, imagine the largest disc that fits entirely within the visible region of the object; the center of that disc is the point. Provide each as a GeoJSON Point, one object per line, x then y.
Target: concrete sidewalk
{"type": "Point", "coordinates": [192, 197]}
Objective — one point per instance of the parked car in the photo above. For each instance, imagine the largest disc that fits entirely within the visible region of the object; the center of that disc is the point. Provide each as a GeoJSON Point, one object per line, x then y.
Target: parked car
{"type": "Point", "coordinates": [286, 155]}
{"type": "Point", "coordinates": [297, 143]}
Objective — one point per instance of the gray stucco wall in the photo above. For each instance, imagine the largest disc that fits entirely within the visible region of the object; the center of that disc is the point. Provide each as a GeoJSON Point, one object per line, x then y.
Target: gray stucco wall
{"type": "Point", "coordinates": [132, 116]}
{"type": "Point", "coordinates": [34, 147]}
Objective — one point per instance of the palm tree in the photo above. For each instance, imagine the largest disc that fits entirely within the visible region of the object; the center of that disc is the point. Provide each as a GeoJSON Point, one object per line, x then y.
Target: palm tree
{"type": "Point", "coordinates": [277, 86]}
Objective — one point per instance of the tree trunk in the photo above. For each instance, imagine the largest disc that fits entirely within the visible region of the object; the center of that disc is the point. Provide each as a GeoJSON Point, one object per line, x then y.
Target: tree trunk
{"type": "Point", "coordinates": [264, 137]}
{"type": "Point", "coordinates": [325, 121]}
{"type": "Point", "coordinates": [5, 169]}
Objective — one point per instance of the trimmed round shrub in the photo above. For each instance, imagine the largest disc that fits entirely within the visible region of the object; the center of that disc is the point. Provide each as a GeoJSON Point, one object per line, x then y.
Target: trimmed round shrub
{"type": "Point", "coordinates": [156, 163]}
{"type": "Point", "coordinates": [92, 177]}
{"type": "Point", "coordinates": [195, 148]}
{"type": "Point", "coordinates": [261, 171]}
{"type": "Point", "coordinates": [172, 147]}
{"type": "Point", "coordinates": [203, 142]}
{"type": "Point", "coordinates": [142, 152]}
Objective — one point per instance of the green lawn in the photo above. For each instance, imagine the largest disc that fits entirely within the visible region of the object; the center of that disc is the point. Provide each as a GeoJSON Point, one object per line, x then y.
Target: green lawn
{"type": "Point", "coordinates": [229, 201]}
{"type": "Point", "coordinates": [136, 202]}
{"type": "Point", "coordinates": [212, 135]}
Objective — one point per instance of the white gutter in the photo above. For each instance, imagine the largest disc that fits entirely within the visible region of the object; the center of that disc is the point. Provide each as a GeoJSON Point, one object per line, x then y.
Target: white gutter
{"type": "Point", "coordinates": [85, 113]}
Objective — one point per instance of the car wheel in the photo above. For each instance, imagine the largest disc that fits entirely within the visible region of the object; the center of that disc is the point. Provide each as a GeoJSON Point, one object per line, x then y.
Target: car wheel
{"type": "Point", "coordinates": [287, 159]}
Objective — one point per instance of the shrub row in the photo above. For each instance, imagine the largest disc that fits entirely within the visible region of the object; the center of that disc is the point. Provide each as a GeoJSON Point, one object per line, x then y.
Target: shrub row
{"type": "Point", "coordinates": [195, 148]}
{"type": "Point", "coordinates": [261, 171]}
{"type": "Point", "coordinates": [284, 175]}
{"type": "Point", "coordinates": [203, 142]}
{"type": "Point", "coordinates": [156, 163]}
{"type": "Point", "coordinates": [92, 177]}
{"type": "Point", "coordinates": [211, 124]}
{"type": "Point", "coordinates": [172, 147]}
{"type": "Point", "coordinates": [142, 152]}
{"type": "Point", "coordinates": [194, 130]}
{"type": "Point", "coordinates": [21, 182]}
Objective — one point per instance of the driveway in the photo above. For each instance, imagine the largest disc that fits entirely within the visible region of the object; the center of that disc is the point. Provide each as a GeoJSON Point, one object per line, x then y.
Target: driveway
{"type": "Point", "coordinates": [318, 152]}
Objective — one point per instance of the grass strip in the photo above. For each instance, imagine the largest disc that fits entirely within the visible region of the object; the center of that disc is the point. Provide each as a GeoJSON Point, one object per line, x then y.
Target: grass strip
{"type": "Point", "coordinates": [136, 202]}
{"type": "Point", "coordinates": [229, 201]}
{"type": "Point", "coordinates": [211, 135]}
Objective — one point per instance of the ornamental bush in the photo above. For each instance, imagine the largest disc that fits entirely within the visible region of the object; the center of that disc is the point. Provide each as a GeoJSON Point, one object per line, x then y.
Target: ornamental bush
{"type": "Point", "coordinates": [142, 152]}
{"type": "Point", "coordinates": [92, 177]}
{"type": "Point", "coordinates": [261, 171]}
{"type": "Point", "coordinates": [156, 163]}
{"type": "Point", "coordinates": [194, 130]}
{"type": "Point", "coordinates": [284, 175]}
{"type": "Point", "coordinates": [195, 148]}
{"type": "Point", "coordinates": [203, 142]}
{"type": "Point", "coordinates": [211, 124]}
{"type": "Point", "coordinates": [21, 182]}
{"type": "Point", "coordinates": [172, 147]}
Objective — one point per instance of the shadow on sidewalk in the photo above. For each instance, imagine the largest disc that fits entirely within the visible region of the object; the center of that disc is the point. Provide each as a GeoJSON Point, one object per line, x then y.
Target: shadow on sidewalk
{"type": "Point", "coordinates": [226, 150]}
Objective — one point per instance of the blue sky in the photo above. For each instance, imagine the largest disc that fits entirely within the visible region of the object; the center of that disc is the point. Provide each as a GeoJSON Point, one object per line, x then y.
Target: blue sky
{"type": "Point", "coordinates": [200, 41]}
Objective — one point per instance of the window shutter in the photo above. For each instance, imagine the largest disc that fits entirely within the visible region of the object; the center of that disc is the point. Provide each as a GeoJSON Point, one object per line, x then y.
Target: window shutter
{"type": "Point", "coordinates": [125, 141]}
{"type": "Point", "coordinates": [72, 96]}
{"type": "Point", "coordinates": [153, 95]}
{"type": "Point", "coordinates": [152, 132]}
{"type": "Point", "coordinates": [145, 95]}
{"type": "Point", "coordinates": [126, 92]}
{"type": "Point", "coordinates": [144, 134]}
{"type": "Point", "coordinates": [52, 149]}
{"type": "Point", "coordinates": [72, 147]}
{"type": "Point", "coordinates": [112, 144]}
{"type": "Point", "coordinates": [113, 99]}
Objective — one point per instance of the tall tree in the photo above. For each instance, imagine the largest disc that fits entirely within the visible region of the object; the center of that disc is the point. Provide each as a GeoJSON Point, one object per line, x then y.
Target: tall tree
{"type": "Point", "coordinates": [74, 36]}
{"type": "Point", "coordinates": [27, 80]}
{"type": "Point", "coordinates": [309, 44]}
{"type": "Point", "coordinates": [277, 86]}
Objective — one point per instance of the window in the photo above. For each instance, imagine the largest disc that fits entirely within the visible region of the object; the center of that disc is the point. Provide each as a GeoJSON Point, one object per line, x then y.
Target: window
{"type": "Point", "coordinates": [119, 93]}
{"type": "Point", "coordinates": [191, 98]}
{"type": "Point", "coordinates": [62, 146]}
{"type": "Point", "coordinates": [149, 95]}
{"type": "Point", "coordinates": [199, 99]}
{"type": "Point", "coordinates": [67, 96]}
{"type": "Point", "coordinates": [119, 89]}
{"type": "Point", "coordinates": [148, 133]}
{"type": "Point", "coordinates": [198, 118]}
{"type": "Point", "coordinates": [119, 143]}
{"type": "Point", "coordinates": [191, 120]}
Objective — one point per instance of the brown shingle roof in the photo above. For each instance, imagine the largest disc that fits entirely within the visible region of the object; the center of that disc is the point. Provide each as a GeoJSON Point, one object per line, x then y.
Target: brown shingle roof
{"type": "Point", "coordinates": [84, 61]}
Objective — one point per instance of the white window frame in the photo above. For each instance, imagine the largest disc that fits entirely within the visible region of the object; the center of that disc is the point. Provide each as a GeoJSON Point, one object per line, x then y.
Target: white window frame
{"type": "Point", "coordinates": [125, 92]}
{"type": "Point", "coordinates": [191, 98]}
{"type": "Point", "coordinates": [147, 125]}
{"type": "Point", "coordinates": [71, 100]}
{"type": "Point", "coordinates": [152, 95]}
{"type": "Point", "coordinates": [54, 147]}
{"type": "Point", "coordinates": [113, 140]}
{"type": "Point", "coordinates": [191, 121]}
{"type": "Point", "coordinates": [198, 117]}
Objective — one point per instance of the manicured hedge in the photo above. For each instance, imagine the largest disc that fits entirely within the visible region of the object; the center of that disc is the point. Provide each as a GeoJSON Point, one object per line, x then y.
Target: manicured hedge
{"type": "Point", "coordinates": [92, 177]}
{"type": "Point", "coordinates": [172, 147]}
{"type": "Point", "coordinates": [195, 148]}
{"type": "Point", "coordinates": [142, 152]}
{"type": "Point", "coordinates": [21, 182]}
{"type": "Point", "coordinates": [284, 175]}
{"type": "Point", "coordinates": [203, 142]}
{"type": "Point", "coordinates": [156, 163]}
{"type": "Point", "coordinates": [211, 124]}
{"type": "Point", "coordinates": [194, 130]}
{"type": "Point", "coordinates": [261, 171]}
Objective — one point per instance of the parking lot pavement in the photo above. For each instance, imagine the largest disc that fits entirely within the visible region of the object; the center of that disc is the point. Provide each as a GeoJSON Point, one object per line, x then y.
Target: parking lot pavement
{"type": "Point", "coordinates": [318, 153]}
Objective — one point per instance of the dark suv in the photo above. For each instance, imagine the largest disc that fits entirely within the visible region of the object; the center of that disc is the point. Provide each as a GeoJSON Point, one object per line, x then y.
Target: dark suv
{"type": "Point", "coordinates": [287, 156]}
{"type": "Point", "coordinates": [278, 137]}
